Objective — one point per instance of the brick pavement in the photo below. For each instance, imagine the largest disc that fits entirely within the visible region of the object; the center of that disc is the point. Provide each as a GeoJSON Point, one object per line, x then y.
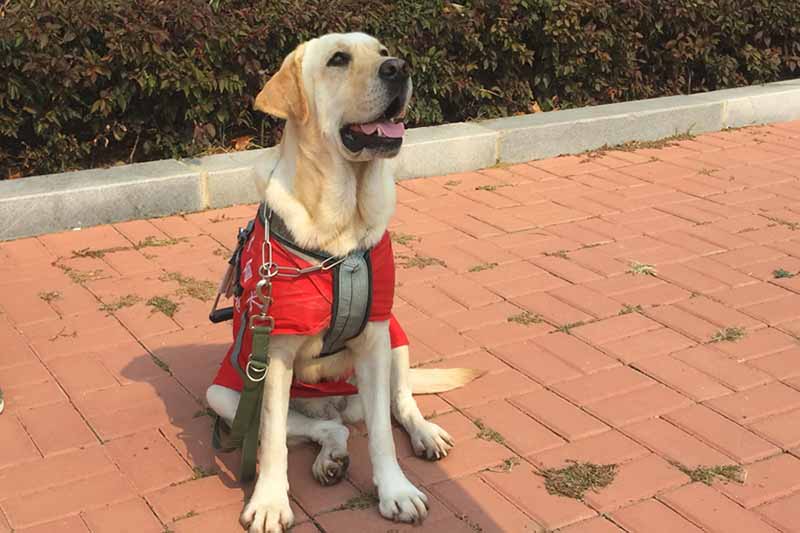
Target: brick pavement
{"type": "Point", "coordinates": [524, 271]}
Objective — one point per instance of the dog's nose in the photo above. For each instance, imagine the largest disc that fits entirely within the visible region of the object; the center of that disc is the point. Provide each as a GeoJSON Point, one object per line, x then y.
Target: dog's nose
{"type": "Point", "coordinates": [394, 70]}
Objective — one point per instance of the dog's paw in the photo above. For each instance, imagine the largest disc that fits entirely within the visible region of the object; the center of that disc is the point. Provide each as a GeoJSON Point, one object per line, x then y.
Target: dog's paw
{"type": "Point", "coordinates": [430, 441]}
{"type": "Point", "coordinates": [268, 514]}
{"type": "Point", "coordinates": [330, 466]}
{"type": "Point", "coordinates": [401, 501]}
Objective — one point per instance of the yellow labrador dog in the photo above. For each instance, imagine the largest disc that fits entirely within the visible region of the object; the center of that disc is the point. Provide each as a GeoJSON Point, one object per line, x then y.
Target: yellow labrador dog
{"type": "Point", "coordinates": [343, 97]}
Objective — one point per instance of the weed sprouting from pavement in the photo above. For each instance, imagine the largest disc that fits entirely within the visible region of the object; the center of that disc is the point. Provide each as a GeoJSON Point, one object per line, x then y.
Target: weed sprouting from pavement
{"type": "Point", "coordinates": [781, 273]}
{"type": "Point", "coordinates": [526, 318]}
{"type": "Point", "coordinates": [163, 304]}
{"type": "Point", "coordinates": [731, 334]}
{"type": "Point", "coordinates": [575, 479]}
{"type": "Point", "coordinates": [642, 269]}
{"type": "Point", "coordinates": [707, 474]}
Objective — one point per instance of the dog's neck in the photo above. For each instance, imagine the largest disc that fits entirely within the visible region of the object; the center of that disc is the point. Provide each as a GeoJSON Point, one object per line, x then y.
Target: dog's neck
{"type": "Point", "coordinates": [327, 202]}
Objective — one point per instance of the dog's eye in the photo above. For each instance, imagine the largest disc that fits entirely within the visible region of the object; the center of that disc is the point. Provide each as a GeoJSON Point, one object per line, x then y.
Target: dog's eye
{"type": "Point", "coordinates": [339, 59]}
{"type": "Point", "coordinates": [384, 52]}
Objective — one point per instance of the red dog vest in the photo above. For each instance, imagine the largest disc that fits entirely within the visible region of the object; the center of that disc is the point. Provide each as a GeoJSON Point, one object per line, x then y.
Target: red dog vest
{"type": "Point", "coordinates": [303, 306]}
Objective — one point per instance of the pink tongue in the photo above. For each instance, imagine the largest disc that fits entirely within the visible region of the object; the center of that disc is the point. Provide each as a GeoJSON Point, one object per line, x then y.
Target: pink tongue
{"type": "Point", "coordinates": [386, 129]}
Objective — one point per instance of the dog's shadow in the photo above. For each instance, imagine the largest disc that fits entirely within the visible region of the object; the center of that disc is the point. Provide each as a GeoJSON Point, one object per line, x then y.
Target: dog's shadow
{"type": "Point", "coordinates": [180, 375]}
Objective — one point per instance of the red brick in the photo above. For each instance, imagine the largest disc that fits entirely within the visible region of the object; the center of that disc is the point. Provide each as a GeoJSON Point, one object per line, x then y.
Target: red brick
{"type": "Point", "coordinates": [195, 496]}
{"type": "Point", "coordinates": [441, 338]}
{"type": "Point", "coordinates": [467, 458]}
{"type": "Point", "coordinates": [541, 282]}
{"type": "Point", "coordinates": [593, 525]}
{"type": "Point", "coordinates": [559, 415]}
{"type": "Point", "coordinates": [148, 460]}
{"type": "Point", "coordinates": [565, 269]}
{"type": "Point", "coordinates": [689, 279]}
{"type": "Point", "coordinates": [132, 516]}
{"type": "Point", "coordinates": [636, 480]}
{"type": "Point", "coordinates": [429, 300]}
{"type": "Point", "coordinates": [683, 322]}
{"type": "Point", "coordinates": [82, 373]}
{"type": "Point", "coordinates": [490, 387]}
{"type": "Point", "coordinates": [597, 260]}
{"type": "Point", "coordinates": [777, 311]}
{"type": "Point", "coordinates": [781, 365]}
{"type": "Point", "coordinates": [144, 321]}
{"type": "Point", "coordinates": [479, 360]}
{"type": "Point", "coordinates": [783, 513]}
{"type": "Point", "coordinates": [652, 516]}
{"type": "Point", "coordinates": [717, 313]}
{"type": "Point", "coordinates": [611, 447]}
{"type": "Point", "coordinates": [521, 433]}
{"type": "Point", "coordinates": [17, 445]}
{"type": "Point", "coordinates": [506, 332]}
{"type": "Point", "coordinates": [754, 404]}
{"type": "Point", "coordinates": [472, 319]}
{"type": "Point", "coordinates": [575, 352]}
{"type": "Point", "coordinates": [766, 481]}
{"type": "Point", "coordinates": [757, 343]}
{"type": "Point", "coordinates": [35, 476]}
{"type": "Point", "coordinates": [682, 377]}
{"type": "Point", "coordinates": [611, 329]}
{"type": "Point", "coordinates": [716, 270]}
{"type": "Point", "coordinates": [649, 344]}
{"type": "Point", "coordinates": [73, 524]}
{"type": "Point", "coordinates": [713, 511]}
{"type": "Point", "coordinates": [58, 502]}
{"type": "Point", "coordinates": [618, 287]}
{"type": "Point", "coordinates": [57, 428]}
{"type": "Point", "coordinates": [370, 521]}
{"type": "Point", "coordinates": [536, 363]}
{"type": "Point", "coordinates": [81, 342]}
{"type": "Point", "coordinates": [98, 237]}
{"type": "Point", "coordinates": [464, 291]}
{"type": "Point", "coordinates": [552, 309]}
{"type": "Point", "coordinates": [717, 431]}
{"type": "Point", "coordinates": [685, 239]}
{"type": "Point", "coordinates": [602, 385]}
{"type": "Point", "coordinates": [482, 505]}
{"type": "Point", "coordinates": [675, 445]}
{"type": "Point", "coordinates": [720, 367]}
{"type": "Point", "coordinates": [638, 405]}
{"type": "Point", "coordinates": [525, 489]}
{"type": "Point", "coordinates": [587, 300]}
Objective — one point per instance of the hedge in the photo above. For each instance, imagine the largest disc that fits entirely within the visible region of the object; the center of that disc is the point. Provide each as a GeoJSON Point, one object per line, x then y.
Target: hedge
{"type": "Point", "coordinates": [86, 83]}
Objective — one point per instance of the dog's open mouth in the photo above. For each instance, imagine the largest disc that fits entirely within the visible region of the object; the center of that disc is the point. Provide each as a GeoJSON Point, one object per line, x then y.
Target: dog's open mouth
{"type": "Point", "coordinates": [384, 134]}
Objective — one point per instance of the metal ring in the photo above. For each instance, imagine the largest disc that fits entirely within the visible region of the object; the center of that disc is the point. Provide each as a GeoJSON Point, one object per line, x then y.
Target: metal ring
{"type": "Point", "coordinates": [250, 377]}
{"type": "Point", "coordinates": [268, 270]}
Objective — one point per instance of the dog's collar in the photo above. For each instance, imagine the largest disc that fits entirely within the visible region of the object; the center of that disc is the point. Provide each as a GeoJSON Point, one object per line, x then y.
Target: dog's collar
{"type": "Point", "coordinates": [281, 232]}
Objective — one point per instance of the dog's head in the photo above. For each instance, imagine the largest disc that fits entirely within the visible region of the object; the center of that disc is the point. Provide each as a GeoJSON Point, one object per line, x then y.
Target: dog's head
{"type": "Point", "coordinates": [349, 88]}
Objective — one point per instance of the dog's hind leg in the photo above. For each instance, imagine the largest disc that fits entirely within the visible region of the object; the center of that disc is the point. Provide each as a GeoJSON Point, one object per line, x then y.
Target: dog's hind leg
{"type": "Point", "coordinates": [428, 439]}
{"type": "Point", "coordinates": [332, 460]}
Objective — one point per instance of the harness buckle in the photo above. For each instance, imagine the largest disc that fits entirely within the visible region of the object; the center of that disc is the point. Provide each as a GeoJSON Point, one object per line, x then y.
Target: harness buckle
{"type": "Point", "coordinates": [262, 320]}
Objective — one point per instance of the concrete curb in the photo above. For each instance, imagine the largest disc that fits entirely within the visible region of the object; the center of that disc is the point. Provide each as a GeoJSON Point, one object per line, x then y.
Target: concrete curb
{"type": "Point", "coordinates": [44, 204]}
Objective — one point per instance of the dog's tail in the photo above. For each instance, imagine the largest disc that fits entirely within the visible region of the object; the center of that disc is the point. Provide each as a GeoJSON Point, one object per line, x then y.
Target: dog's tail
{"type": "Point", "coordinates": [433, 380]}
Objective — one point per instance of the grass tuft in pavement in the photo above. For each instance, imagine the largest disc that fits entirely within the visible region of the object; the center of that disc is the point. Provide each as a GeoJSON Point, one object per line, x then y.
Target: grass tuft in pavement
{"type": "Point", "coordinates": [163, 304]}
{"type": "Point", "coordinates": [362, 501]}
{"type": "Point", "coordinates": [732, 334]}
{"type": "Point", "coordinates": [781, 273]}
{"type": "Point", "coordinates": [487, 433]}
{"type": "Point", "coordinates": [707, 474]}
{"type": "Point", "coordinates": [123, 301]}
{"type": "Point", "coordinates": [483, 266]}
{"type": "Point", "coordinates": [526, 318]}
{"type": "Point", "coordinates": [574, 480]}
{"type": "Point", "coordinates": [199, 289]}
{"type": "Point", "coordinates": [642, 269]}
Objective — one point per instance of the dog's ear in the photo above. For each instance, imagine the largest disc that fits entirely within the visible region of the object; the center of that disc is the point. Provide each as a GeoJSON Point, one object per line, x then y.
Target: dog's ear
{"type": "Point", "coordinates": [283, 94]}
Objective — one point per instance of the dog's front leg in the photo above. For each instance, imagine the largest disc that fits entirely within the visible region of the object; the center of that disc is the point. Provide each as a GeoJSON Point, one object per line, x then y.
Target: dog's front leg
{"type": "Point", "coordinates": [399, 499]}
{"type": "Point", "coordinates": [268, 510]}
